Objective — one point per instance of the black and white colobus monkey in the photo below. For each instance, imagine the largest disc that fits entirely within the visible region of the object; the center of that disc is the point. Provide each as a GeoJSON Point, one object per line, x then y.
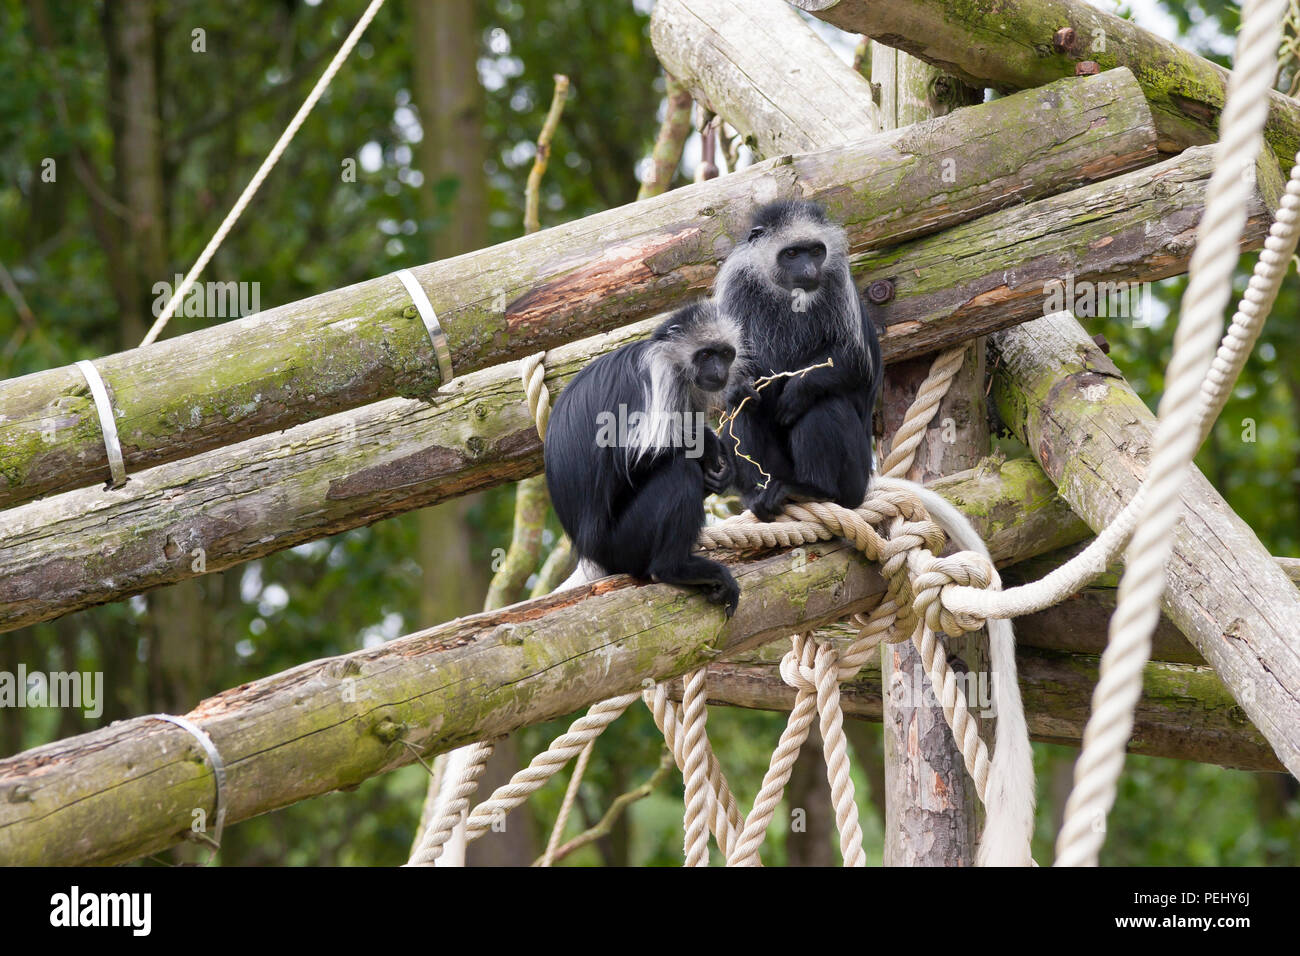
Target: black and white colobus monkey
{"type": "Point", "coordinates": [789, 286]}
{"type": "Point", "coordinates": [630, 456]}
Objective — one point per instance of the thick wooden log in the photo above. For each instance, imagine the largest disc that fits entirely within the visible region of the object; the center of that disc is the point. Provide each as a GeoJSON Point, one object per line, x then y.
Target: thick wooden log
{"type": "Point", "coordinates": [238, 503]}
{"type": "Point", "coordinates": [1185, 711]}
{"type": "Point", "coordinates": [353, 346]}
{"type": "Point", "coordinates": [132, 788]}
{"type": "Point", "coordinates": [1107, 238]}
{"type": "Point", "coordinates": [759, 66]}
{"type": "Point", "coordinates": [1009, 45]}
{"type": "Point", "coordinates": [1091, 433]}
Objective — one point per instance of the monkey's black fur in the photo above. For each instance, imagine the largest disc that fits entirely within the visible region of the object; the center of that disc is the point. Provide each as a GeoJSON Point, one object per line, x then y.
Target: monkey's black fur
{"type": "Point", "coordinates": [636, 506]}
{"type": "Point", "coordinates": [788, 284]}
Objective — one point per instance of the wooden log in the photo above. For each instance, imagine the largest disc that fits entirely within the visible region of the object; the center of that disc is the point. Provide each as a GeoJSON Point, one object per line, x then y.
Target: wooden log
{"type": "Point", "coordinates": [1109, 237]}
{"type": "Point", "coordinates": [132, 788]}
{"type": "Point", "coordinates": [1009, 45]}
{"type": "Point", "coordinates": [759, 66]}
{"type": "Point", "coordinates": [353, 346]}
{"type": "Point", "coordinates": [238, 503]}
{"type": "Point", "coordinates": [1091, 433]}
{"type": "Point", "coordinates": [1185, 711]}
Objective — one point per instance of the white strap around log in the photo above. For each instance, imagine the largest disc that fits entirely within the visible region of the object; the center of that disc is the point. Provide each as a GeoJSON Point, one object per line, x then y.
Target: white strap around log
{"type": "Point", "coordinates": [107, 423]}
{"type": "Point", "coordinates": [430, 319]}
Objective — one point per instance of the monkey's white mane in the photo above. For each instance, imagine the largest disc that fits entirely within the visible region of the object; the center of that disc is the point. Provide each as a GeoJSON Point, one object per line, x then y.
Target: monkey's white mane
{"type": "Point", "coordinates": [668, 396]}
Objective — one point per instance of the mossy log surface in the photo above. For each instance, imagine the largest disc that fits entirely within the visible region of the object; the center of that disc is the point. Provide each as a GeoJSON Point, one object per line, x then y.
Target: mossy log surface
{"type": "Point", "coordinates": [1008, 45]}
{"type": "Point", "coordinates": [1092, 434]}
{"type": "Point", "coordinates": [133, 788]}
{"type": "Point", "coordinates": [363, 343]}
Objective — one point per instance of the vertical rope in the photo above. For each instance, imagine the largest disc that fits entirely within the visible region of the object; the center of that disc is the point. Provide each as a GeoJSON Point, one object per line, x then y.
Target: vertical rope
{"type": "Point", "coordinates": [835, 749]}
{"type": "Point", "coordinates": [695, 772]}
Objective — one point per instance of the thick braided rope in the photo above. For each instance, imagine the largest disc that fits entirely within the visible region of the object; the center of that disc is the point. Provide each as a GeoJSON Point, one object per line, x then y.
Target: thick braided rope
{"type": "Point", "coordinates": [724, 814]}
{"type": "Point", "coordinates": [533, 372]}
{"type": "Point", "coordinates": [1142, 586]}
{"type": "Point", "coordinates": [431, 843]}
{"type": "Point", "coordinates": [566, 807]}
{"type": "Point", "coordinates": [835, 750]}
{"type": "Point", "coordinates": [263, 171]}
{"type": "Point", "coordinates": [787, 750]}
{"type": "Point", "coordinates": [547, 764]}
{"type": "Point", "coordinates": [911, 432]}
{"type": "Point", "coordinates": [695, 773]}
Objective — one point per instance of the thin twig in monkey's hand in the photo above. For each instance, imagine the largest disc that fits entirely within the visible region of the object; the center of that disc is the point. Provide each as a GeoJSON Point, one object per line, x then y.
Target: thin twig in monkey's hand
{"type": "Point", "coordinates": [726, 419]}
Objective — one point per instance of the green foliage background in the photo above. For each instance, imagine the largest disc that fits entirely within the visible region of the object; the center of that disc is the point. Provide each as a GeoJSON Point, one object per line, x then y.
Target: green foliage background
{"type": "Point", "coordinates": [309, 231]}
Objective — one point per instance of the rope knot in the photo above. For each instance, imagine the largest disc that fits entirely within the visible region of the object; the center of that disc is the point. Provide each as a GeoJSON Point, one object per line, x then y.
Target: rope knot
{"type": "Point", "coordinates": [934, 575]}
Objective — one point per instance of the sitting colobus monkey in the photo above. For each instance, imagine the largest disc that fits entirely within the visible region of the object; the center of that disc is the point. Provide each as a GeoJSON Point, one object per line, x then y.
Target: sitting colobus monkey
{"type": "Point", "coordinates": [789, 286]}
{"type": "Point", "coordinates": [630, 456]}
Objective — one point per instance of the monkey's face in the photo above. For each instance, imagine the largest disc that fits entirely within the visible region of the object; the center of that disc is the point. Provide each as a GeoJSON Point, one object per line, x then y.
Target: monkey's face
{"type": "Point", "coordinates": [711, 366]}
{"type": "Point", "coordinates": [794, 255]}
{"type": "Point", "coordinates": [699, 346]}
{"type": "Point", "coordinates": [799, 265]}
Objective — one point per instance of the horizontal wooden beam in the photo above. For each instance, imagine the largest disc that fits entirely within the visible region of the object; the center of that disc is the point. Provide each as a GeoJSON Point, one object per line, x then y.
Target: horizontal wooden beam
{"type": "Point", "coordinates": [1094, 246]}
{"type": "Point", "coordinates": [1012, 45]}
{"type": "Point", "coordinates": [132, 788]}
{"type": "Point", "coordinates": [353, 346]}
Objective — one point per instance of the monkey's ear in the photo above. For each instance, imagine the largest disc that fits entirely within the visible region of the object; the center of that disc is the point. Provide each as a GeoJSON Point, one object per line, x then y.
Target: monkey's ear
{"type": "Point", "coordinates": [674, 330]}
{"type": "Point", "coordinates": [755, 233]}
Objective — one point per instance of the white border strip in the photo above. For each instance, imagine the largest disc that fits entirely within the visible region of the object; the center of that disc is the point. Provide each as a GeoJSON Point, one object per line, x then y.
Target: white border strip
{"type": "Point", "coordinates": [430, 317]}
{"type": "Point", "coordinates": [107, 423]}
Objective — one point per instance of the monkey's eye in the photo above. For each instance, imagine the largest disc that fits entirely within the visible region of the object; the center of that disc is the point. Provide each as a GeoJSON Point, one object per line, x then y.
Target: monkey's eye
{"type": "Point", "coordinates": [727, 353]}
{"type": "Point", "coordinates": [755, 233]}
{"type": "Point", "coordinates": [792, 253]}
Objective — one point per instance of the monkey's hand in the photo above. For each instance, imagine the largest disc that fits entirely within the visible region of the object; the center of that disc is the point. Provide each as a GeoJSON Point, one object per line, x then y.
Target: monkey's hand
{"type": "Point", "coordinates": [768, 503]}
{"type": "Point", "coordinates": [740, 391]}
{"type": "Point", "coordinates": [718, 475]}
{"type": "Point", "coordinates": [794, 403]}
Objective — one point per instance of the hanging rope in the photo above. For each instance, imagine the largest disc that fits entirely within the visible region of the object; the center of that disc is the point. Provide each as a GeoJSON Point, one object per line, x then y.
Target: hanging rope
{"type": "Point", "coordinates": [263, 171]}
